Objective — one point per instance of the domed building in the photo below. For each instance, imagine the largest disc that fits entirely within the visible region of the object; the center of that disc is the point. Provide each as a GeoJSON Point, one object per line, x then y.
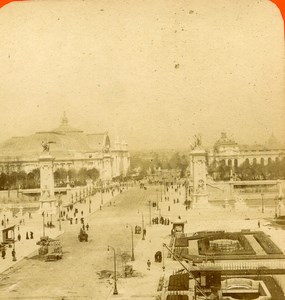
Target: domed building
{"type": "Point", "coordinates": [71, 149]}
{"type": "Point", "coordinates": [231, 153]}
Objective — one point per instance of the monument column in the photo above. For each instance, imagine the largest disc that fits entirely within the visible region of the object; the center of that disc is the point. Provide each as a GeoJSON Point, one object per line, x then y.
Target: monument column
{"type": "Point", "coordinates": [198, 171]}
{"type": "Point", "coordinates": [47, 199]}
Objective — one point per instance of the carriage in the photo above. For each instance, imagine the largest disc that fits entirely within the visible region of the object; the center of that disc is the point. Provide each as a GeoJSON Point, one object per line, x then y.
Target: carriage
{"type": "Point", "coordinates": [83, 236]}
{"type": "Point", "coordinates": [138, 229]}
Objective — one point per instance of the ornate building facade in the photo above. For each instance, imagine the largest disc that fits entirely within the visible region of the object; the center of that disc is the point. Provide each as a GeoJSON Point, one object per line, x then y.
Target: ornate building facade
{"type": "Point", "coordinates": [71, 149]}
{"type": "Point", "coordinates": [230, 153]}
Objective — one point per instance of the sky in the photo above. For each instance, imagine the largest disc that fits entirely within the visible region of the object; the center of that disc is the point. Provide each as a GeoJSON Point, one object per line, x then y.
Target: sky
{"type": "Point", "coordinates": [152, 73]}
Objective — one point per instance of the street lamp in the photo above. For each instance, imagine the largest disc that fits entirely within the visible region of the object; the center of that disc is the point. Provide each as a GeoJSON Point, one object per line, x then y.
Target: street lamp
{"type": "Point", "coordinates": [156, 199]}
{"type": "Point", "coordinates": [14, 251]}
{"type": "Point", "coordinates": [133, 254]}
{"type": "Point", "coordinates": [89, 205]}
{"type": "Point", "coordinates": [115, 270]}
{"type": "Point", "coordinates": [143, 238]}
{"type": "Point", "coordinates": [262, 204]}
{"type": "Point", "coordinates": [276, 203]}
{"type": "Point", "coordinates": [43, 215]}
{"type": "Point", "coordinates": [59, 210]}
{"type": "Point", "coordinates": [149, 206]}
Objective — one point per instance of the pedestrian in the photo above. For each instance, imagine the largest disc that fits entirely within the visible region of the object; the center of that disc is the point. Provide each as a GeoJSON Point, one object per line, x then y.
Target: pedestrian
{"type": "Point", "coordinates": [27, 236]}
{"type": "Point", "coordinates": [83, 227]}
{"type": "Point", "coordinates": [14, 255]}
{"type": "Point", "coordinates": [100, 207]}
{"type": "Point", "coordinates": [148, 264]}
{"type": "Point", "coordinates": [258, 224]}
{"type": "Point", "coordinates": [70, 221]}
{"type": "Point", "coordinates": [75, 220]}
{"type": "Point", "coordinates": [3, 252]}
{"type": "Point", "coordinates": [87, 226]}
{"type": "Point", "coordinates": [7, 221]}
{"type": "Point", "coordinates": [31, 235]}
{"type": "Point", "coordinates": [2, 222]}
{"type": "Point", "coordinates": [82, 213]}
{"type": "Point", "coordinates": [19, 237]}
{"type": "Point", "coordinates": [144, 232]}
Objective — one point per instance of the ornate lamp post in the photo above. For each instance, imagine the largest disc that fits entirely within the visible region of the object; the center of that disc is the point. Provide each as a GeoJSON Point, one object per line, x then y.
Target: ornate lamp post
{"type": "Point", "coordinates": [59, 203]}
{"type": "Point", "coordinates": [43, 215]}
{"type": "Point", "coordinates": [115, 270]}
{"type": "Point", "coordinates": [276, 203]}
{"type": "Point", "coordinates": [156, 199]}
{"type": "Point", "coordinates": [133, 254]}
{"type": "Point", "coordinates": [143, 238]}
{"type": "Point", "coordinates": [149, 206]}
{"type": "Point", "coordinates": [262, 203]}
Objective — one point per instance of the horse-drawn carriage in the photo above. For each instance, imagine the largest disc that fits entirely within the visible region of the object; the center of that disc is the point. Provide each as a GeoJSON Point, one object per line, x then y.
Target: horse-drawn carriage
{"type": "Point", "coordinates": [158, 256]}
{"type": "Point", "coordinates": [83, 236]}
{"type": "Point", "coordinates": [138, 229]}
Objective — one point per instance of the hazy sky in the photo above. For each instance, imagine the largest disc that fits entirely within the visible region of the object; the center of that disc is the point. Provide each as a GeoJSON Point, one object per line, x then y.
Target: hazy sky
{"type": "Point", "coordinates": [152, 72]}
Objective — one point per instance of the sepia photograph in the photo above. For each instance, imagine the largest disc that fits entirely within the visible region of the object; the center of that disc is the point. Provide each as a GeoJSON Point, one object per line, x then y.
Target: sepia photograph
{"type": "Point", "coordinates": [142, 150]}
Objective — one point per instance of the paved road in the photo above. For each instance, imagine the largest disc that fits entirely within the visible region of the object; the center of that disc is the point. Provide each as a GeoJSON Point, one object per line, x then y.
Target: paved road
{"type": "Point", "coordinates": [75, 276]}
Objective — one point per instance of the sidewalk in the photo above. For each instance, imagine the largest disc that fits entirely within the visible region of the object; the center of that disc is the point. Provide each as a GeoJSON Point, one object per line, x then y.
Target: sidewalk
{"type": "Point", "coordinates": [26, 247]}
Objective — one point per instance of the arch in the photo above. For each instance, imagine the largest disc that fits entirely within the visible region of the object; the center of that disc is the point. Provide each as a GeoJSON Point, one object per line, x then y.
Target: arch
{"type": "Point", "coordinates": [269, 160]}
{"type": "Point", "coordinates": [230, 162]}
{"type": "Point", "coordinates": [223, 162]}
{"type": "Point", "coordinates": [277, 159]}
{"type": "Point", "coordinates": [254, 161]}
{"type": "Point", "coordinates": [236, 162]}
{"type": "Point", "coordinates": [262, 161]}
{"type": "Point", "coordinates": [247, 161]}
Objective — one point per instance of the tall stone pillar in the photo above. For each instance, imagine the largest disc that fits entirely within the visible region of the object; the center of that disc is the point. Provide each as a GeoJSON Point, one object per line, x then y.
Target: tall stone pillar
{"type": "Point", "coordinates": [198, 165]}
{"type": "Point", "coordinates": [47, 199]}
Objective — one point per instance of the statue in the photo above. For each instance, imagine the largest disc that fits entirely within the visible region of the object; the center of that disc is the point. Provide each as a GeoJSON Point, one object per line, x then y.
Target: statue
{"type": "Point", "coordinates": [197, 142]}
{"type": "Point", "coordinates": [46, 146]}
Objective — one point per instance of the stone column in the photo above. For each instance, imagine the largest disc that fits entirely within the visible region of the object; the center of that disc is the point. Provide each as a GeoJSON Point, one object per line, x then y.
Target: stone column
{"type": "Point", "coordinates": [47, 199]}
{"type": "Point", "coordinates": [198, 163]}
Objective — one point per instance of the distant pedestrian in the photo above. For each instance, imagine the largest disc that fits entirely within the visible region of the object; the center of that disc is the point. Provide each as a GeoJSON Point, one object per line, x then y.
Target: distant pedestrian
{"type": "Point", "coordinates": [19, 237]}
{"type": "Point", "coordinates": [70, 220]}
{"type": "Point", "coordinates": [87, 226]}
{"type": "Point", "coordinates": [27, 236]}
{"type": "Point", "coordinates": [75, 220]}
{"type": "Point", "coordinates": [14, 255]}
{"type": "Point", "coordinates": [2, 222]}
{"type": "Point", "coordinates": [31, 235]}
{"type": "Point", "coordinates": [3, 252]}
{"type": "Point", "coordinates": [148, 264]}
{"type": "Point", "coordinates": [144, 232]}
{"type": "Point", "coordinates": [258, 224]}
{"type": "Point", "coordinates": [83, 227]}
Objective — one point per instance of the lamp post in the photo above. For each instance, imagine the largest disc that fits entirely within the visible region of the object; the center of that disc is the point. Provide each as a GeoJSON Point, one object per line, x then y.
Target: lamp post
{"type": "Point", "coordinates": [101, 194]}
{"type": "Point", "coordinates": [276, 203]}
{"type": "Point", "coordinates": [133, 254]}
{"type": "Point", "coordinates": [262, 204]}
{"type": "Point", "coordinates": [143, 238]}
{"type": "Point", "coordinates": [156, 199]}
{"type": "Point", "coordinates": [43, 215]}
{"type": "Point", "coordinates": [115, 270]}
{"type": "Point", "coordinates": [14, 251]}
{"type": "Point", "coordinates": [149, 206]}
{"type": "Point", "coordinates": [59, 210]}
{"type": "Point", "coordinates": [280, 198]}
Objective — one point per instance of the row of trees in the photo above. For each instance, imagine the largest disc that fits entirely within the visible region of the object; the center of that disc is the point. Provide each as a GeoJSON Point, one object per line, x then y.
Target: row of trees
{"type": "Point", "coordinates": [145, 163]}
{"type": "Point", "coordinates": [29, 180]}
{"type": "Point", "coordinates": [247, 171]}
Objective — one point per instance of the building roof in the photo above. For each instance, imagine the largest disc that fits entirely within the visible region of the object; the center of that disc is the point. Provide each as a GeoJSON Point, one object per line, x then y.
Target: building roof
{"type": "Point", "coordinates": [65, 140]}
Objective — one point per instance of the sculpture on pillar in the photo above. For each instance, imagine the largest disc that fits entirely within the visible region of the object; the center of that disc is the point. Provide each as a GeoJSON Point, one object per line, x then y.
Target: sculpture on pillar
{"type": "Point", "coordinates": [46, 146]}
{"type": "Point", "coordinates": [197, 142]}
